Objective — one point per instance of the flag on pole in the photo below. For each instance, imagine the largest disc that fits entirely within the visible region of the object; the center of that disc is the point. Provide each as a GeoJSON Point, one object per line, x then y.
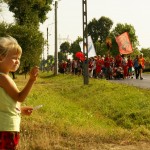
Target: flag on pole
{"type": "Point", "coordinates": [91, 48]}
{"type": "Point", "coordinates": [124, 43]}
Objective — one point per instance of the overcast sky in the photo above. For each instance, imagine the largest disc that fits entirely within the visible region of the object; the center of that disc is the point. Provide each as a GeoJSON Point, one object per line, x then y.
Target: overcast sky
{"type": "Point", "coordinates": [134, 12]}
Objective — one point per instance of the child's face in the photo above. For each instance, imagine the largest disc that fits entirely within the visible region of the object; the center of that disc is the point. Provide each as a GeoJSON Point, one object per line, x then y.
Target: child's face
{"type": "Point", "coordinates": [11, 61]}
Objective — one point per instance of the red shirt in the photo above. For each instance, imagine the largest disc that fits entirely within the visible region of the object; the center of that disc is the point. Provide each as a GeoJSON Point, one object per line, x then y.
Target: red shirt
{"type": "Point", "coordinates": [107, 62]}
{"type": "Point", "coordinates": [130, 63]}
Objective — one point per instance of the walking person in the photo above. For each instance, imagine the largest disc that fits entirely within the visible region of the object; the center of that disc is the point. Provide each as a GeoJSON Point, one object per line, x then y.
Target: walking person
{"type": "Point", "coordinates": [136, 66]}
{"type": "Point", "coordinates": [11, 98]}
{"type": "Point", "coordinates": [141, 65]}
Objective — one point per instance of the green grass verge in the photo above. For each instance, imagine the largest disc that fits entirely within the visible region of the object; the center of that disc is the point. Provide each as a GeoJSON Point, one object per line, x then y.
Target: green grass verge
{"type": "Point", "coordinates": [74, 113]}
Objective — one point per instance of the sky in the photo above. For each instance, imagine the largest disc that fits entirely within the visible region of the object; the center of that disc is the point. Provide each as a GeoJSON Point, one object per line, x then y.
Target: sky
{"type": "Point", "coordinates": [69, 18]}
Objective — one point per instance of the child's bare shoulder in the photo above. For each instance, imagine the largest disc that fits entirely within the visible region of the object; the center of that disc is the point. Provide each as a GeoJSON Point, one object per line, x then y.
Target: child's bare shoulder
{"type": "Point", "coordinates": [5, 79]}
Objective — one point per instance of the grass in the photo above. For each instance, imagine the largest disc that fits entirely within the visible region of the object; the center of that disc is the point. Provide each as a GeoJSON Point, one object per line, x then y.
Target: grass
{"type": "Point", "coordinates": [75, 116]}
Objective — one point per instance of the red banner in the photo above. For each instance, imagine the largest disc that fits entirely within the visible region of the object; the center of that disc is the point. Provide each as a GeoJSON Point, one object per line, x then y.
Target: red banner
{"type": "Point", "coordinates": [124, 43]}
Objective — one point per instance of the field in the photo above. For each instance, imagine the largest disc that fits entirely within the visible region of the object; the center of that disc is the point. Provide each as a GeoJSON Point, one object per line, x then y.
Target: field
{"type": "Point", "coordinates": [74, 116]}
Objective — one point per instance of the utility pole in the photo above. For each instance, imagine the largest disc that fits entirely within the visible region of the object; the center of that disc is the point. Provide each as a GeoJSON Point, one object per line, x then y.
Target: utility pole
{"type": "Point", "coordinates": [47, 44]}
{"type": "Point", "coordinates": [56, 52]}
{"type": "Point", "coordinates": [85, 43]}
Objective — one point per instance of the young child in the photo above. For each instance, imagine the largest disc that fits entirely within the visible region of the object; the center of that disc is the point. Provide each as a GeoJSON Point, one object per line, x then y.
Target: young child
{"type": "Point", "coordinates": [10, 96]}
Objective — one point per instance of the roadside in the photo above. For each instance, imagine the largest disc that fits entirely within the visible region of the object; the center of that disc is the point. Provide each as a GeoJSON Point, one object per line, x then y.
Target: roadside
{"type": "Point", "coordinates": [145, 83]}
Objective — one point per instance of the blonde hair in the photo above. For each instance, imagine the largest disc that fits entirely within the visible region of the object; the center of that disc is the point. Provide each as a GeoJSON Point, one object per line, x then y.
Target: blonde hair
{"type": "Point", "coordinates": [9, 44]}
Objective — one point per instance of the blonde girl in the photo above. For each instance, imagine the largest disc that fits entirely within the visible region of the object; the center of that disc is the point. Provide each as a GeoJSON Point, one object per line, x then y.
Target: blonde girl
{"type": "Point", "coordinates": [10, 96]}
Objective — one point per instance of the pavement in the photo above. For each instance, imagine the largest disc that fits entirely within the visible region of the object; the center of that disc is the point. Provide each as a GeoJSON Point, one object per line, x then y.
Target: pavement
{"type": "Point", "coordinates": [145, 83]}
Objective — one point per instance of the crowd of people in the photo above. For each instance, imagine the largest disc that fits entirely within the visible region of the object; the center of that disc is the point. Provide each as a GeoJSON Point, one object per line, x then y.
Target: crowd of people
{"type": "Point", "coordinates": [109, 67]}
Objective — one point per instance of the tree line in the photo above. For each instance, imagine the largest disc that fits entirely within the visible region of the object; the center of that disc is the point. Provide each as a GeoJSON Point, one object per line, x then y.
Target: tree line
{"type": "Point", "coordinates": [28, 14]}
{"type": "Point", "coordinates": [101, 30]}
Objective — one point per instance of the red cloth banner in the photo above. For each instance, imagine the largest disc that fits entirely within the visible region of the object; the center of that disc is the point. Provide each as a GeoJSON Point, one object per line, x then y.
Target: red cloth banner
{"type": "Point", "coordinates": [124, 43]}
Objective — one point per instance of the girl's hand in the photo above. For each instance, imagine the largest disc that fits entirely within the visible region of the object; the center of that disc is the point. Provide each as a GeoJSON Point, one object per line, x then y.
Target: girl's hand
{"type": "Point", "coordinates": [26, 110]}
{"type": "Point", "coordinates": [34, 73]}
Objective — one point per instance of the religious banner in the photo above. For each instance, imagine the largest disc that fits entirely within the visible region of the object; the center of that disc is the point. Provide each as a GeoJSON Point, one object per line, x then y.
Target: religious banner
{"type": "Point", "coordinates": [124, 43]}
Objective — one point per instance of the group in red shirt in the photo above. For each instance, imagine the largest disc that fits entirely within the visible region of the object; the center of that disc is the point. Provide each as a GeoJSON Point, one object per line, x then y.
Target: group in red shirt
{"type": "Point", "coordinates": [120, 66]}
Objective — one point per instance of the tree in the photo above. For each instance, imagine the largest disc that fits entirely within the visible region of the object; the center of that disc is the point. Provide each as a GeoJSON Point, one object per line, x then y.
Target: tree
{"type": "Point", "coordinates": [75, 47]}
{"type": "Point", "coordinates": [93, 30]}
{"type": "Point", "coordinates": [62, 56]}
{"type": "Point", "coordinates": [64, 47]}
{"type": "Point", "coordinates": [30, 39]}
{"type": "Point", "coordinates": [146, 53]}
{"type": "Point", "coordinates": [97, 46]}
{"type": "Point", "coordinates": [3, 29]}
{"type": "Point", "coordinates": [49, 62]}
{"type": "Point", "coordinates": [28, 15]}
{"type": "Point", "coordinates": [100, 29]}
{"type": "Point", "coordinates": [28, 12]}
{"type": "Point", "coordinates": [104, 26]}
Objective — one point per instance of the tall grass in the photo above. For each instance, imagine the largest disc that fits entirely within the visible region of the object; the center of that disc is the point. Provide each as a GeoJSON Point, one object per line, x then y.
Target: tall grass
{"type": "Point", "coordinates": [75, 116]}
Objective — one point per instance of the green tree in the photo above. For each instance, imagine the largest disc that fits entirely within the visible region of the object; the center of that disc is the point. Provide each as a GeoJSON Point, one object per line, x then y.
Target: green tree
{"type": "Point", "coordinates": [49, 62]}
{"type": "Point", "coordinates": [50, 59]}
{"type": "Point", "coordinates": [100, 29]}
{"type": "Point", "coordinates": [3, 29]}
{"type": "Point", "coordinates": [64, 47]}
{"type": "Point", "coordinates": [97, 46]}
{"type": "Point", "coordinates": [30, 39]}
{"type": "Point", "coordinates": [93, 30]}
{"type": "Point", "coordinates": [75, 47]}
{"type": "Point", "coordinates": [28, 15]}
{"type": "Point", "coordinates": [104, 26]}
{"type": "Point", "coordinates": [62, 56]}
{"type": "Point", "coordinates": [146, 53]}
{"type": "Point", "coordinates": [28, 12]}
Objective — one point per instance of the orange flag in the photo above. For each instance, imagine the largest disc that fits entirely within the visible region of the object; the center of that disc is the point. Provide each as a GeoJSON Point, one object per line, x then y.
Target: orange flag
{"type": "Point", "coordinates": [124, 43]}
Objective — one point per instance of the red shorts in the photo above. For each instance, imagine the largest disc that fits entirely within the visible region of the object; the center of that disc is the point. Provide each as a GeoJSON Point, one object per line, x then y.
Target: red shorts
{"type": "Point", "coordinates": [8, 140]}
